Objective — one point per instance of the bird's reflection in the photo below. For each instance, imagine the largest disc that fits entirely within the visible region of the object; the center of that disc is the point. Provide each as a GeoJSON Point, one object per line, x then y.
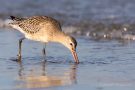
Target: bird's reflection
{"type": "Point", "coordinates": [44, 79]}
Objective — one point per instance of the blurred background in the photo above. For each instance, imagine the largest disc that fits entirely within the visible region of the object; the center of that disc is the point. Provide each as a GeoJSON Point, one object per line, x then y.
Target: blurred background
{"type": "Point", "coordinates": [93, 18]}
{"type": "Point", "coordinates": [104, 30]}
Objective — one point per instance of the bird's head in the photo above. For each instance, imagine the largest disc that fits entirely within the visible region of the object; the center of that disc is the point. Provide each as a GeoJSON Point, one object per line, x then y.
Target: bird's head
{"type": "Point", "coordinates": [71, 44]}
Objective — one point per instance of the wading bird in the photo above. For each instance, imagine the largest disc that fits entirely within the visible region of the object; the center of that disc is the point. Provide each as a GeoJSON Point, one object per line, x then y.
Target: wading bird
{"type": "Point", "coordinates": [44, 29]}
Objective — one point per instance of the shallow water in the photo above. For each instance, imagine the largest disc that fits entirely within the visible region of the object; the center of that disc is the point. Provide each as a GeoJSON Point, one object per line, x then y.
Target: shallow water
{"type": "Point", "coordinates": [104, 65]}
{"type": "Point", "coordinates": [105, 32]}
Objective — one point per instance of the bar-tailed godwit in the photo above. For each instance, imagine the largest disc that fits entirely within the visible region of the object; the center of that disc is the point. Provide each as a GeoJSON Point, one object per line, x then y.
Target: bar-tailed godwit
{"type": "Point", "coordinates": [44, 29]}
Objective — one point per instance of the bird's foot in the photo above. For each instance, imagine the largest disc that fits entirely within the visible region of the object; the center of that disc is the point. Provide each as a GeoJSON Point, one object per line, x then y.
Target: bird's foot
{"type": "Point", "coordinates": [44, 59]}
{"type": "Point", "coordinates": [19, 57]}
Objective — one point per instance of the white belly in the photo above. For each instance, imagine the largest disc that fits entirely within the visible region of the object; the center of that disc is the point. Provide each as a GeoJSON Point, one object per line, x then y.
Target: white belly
{"type": "Point", "coordinates": [36, 37]}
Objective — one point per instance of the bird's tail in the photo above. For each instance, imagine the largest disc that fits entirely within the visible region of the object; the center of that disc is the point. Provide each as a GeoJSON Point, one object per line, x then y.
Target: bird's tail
{"type": "Point", "coordinates": [15, 18]}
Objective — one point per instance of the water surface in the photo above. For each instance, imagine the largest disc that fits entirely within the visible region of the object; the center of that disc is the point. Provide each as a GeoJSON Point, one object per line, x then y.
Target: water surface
{"type": "Point", "coordinates": [104, 30]}
{"type": "Point", "coordinates": [104, 65]}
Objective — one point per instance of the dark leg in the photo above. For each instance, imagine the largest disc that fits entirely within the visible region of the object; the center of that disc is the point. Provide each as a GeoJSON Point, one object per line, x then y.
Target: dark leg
{"type": "Point", "coordinates": [20, 49]}
{"type": "Point", "coordinates": [44, 52]}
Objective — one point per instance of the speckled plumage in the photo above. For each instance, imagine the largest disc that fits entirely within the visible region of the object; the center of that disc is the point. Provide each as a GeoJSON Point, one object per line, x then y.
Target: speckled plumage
{"type": "Point", "coordinates": [34, 24]}
{"type": "Point", "coordinates": [34, 27]}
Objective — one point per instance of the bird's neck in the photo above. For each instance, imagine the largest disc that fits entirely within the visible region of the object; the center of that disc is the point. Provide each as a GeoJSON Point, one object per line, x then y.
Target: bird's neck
{"type": "Point", "coordinates": [60, 37]}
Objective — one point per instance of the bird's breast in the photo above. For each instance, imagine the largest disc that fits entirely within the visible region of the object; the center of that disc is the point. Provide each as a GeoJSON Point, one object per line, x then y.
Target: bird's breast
{"type": "Point", "coordinates": [42, 36]}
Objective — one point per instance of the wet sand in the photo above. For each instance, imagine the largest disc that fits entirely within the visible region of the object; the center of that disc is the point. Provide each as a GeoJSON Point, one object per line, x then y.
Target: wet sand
{"type": "Point", "coordinates": [104, 65]}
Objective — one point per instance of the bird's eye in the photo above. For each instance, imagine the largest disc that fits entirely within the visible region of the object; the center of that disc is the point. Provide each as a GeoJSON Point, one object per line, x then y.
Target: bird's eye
{"type": "Point", "coordinates": [71, 44]}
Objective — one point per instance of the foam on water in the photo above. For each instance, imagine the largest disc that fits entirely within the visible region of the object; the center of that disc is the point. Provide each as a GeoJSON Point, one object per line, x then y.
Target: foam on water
{"type": "Point", "coordinates": [98, 19]}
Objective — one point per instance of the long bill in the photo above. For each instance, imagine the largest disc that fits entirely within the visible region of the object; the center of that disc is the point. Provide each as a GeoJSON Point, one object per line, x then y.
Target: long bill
{"type": "Point", "coordinates": [75, 56]}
